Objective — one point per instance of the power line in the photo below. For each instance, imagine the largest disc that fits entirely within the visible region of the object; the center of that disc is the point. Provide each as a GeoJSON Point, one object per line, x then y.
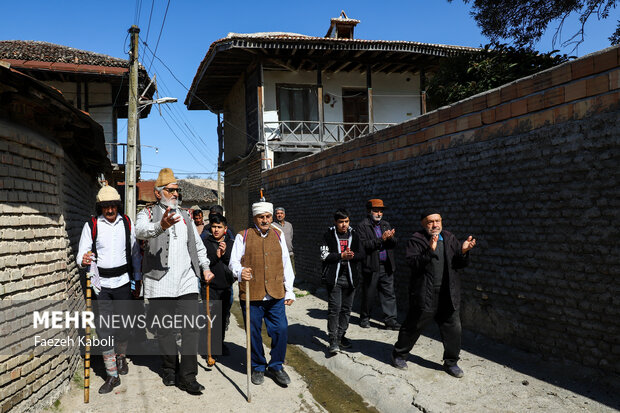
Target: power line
{"type": "Point", "coordinates": [150, 17]}
{"type": "Point", "coordinates": [159, 37]}
{"type": "Point", "coordinates": [179, 139]}
{"type": "Point", "coordinates": [196, 96]}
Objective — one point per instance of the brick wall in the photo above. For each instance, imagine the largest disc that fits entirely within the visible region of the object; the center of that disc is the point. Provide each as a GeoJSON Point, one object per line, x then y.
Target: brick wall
{"type": "Point", "coordinates": [44, 201]}
{"type": "Point", "coordinates": [530, 169]}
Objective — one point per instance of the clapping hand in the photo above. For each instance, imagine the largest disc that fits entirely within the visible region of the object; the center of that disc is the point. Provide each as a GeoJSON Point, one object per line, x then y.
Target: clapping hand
{"type": "Point", "coordinates": [468, 244]}
{"type": "Point", "coordinates": [347, 254]}
{"type": "Point", "coordinates": [169, 219]}
{"type": "Point", "coordinates": [388, 234]}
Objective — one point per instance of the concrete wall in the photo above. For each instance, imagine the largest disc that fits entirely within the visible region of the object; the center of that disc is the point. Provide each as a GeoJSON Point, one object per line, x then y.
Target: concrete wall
{"type": "Point", "coordinates": [44, 201]}
{"type": "Point", "coordinates": [530, 169]}
{"type": "Point", "coordinates": [396, 97]}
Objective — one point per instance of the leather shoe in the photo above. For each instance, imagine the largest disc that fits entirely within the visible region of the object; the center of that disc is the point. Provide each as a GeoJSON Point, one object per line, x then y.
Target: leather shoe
{"type": "Point", "coordinates": [333, 347]}
{"type": "Point", "coordinates": [453, 370]}
{"type": "Point", "coordinates": [110, 383]}
{"type": "Point", "coordinates": [345, 343]}
{"type": "Point", "coordinates": [258, 377]}
{"type": "Point", "coordinates": [169, 379]}
{"type": "Point", "coordinates": [392, 326]}
{"type": "Point", "coordinates": [193, 387]}
{"type": "Point", "coordinates": [121, 365]}
{"type": "Point", "coordinates": [399, 363]}
{"type": "Point", "coordinates": [281, 377]}
{"type": "Point", "coordinates": [365, 324]}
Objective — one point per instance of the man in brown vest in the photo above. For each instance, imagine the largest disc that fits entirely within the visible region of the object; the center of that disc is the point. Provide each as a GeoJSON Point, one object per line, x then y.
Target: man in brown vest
{"type": "Point", "coordinates": [260, 256]}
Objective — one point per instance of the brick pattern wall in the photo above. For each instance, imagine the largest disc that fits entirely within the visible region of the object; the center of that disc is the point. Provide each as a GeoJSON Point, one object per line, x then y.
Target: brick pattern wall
{"type": "Point", "coordinates": [44, 201]}
{"type": "Point", "coordinates": [530, 169]}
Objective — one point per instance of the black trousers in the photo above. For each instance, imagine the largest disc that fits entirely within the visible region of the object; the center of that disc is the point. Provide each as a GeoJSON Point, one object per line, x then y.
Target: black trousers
{"type": "Point", "coordinates": [448, 320]}
{"type": "Point", "coordinates": [112, 301]}
{"type": "Point", "coordinates": [381, 282]}
{"type": "Point", "coordinates": [187, 368]}
{"type": "Point", "coordinates": [339, 305]}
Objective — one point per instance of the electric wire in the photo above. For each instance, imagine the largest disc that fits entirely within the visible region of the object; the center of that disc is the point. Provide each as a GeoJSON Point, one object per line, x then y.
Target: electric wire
{"type": "Point", "coordinates": [148, 29]}
{"type": "Point", "coordinates": [159, 37]}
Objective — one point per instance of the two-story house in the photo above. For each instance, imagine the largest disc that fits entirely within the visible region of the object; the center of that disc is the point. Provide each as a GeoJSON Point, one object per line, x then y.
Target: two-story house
{"type": "Point", "coordinates": [280, 96]}
{"type": "Point", "coordinates": [92, 82]}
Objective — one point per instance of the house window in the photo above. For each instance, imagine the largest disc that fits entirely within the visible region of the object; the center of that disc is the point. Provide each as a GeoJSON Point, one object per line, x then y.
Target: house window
{"type": "Point", "coordinates": [297, 103]}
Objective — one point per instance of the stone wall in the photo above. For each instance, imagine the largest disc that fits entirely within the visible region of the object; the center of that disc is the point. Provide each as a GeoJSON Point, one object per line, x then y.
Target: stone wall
{"type": "Point", "coordinates": [530, 169]}
{"type": "Point", "coordinates": [44, 201]}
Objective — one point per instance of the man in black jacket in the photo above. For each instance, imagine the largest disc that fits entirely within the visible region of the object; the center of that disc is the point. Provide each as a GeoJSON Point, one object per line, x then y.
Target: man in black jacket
{"type": "Point", "coordinates": [340, 252]}
{"type": "Point", "coordinates": [378, 240]}
{"type": "Point", "coordinates": [219, 247]}
{"type": "Point", "coordinates": [434, 256]}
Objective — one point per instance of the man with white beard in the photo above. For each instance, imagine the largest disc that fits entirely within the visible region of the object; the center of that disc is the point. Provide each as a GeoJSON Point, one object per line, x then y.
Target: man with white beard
{"type": "Point", "coordinates": [174, 259]}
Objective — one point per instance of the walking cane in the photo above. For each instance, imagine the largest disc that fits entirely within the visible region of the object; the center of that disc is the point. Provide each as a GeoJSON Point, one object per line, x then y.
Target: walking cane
{"type": "Point", "coordinates": [248, 340]}
{"type": "Point", "coordinates": [210, 360]}
{"type": "Point", "coordinates": [87, 349]}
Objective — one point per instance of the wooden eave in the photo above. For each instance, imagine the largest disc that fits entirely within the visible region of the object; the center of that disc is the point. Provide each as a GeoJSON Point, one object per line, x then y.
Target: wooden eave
{"type": "Point", "coordinates": [31, 103]}
{"type": "Point", "coordinates": [67, 72]}
{"type": "Point", "coordinates": [227, 60]}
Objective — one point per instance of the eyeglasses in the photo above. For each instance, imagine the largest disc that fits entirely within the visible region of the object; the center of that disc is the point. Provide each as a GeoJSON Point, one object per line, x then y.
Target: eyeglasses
{"type": "Point", "coordinates": [173, 190]}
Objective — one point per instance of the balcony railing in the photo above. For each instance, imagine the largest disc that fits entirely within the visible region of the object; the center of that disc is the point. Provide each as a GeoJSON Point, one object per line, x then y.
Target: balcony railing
{"type": "Point", "coordinates": [311, 133]}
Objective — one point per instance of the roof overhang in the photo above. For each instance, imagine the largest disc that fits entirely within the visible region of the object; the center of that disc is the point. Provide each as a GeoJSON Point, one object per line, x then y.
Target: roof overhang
{"type": "Point", "coordinates": [229, 58]}
{"type": "Point", "coordinates": [70, 72]}
{"type": "Point", "coordinates": [30, 102]}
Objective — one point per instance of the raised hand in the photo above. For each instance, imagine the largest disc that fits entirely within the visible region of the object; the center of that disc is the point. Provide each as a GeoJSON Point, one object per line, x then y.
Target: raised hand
{"type": "Point", "coordinates": [468, 244]}
{"type": "Point", "coordinates": [434, 240]}
{"type": "Point", "coordinates": [169, 219]}
{"type": "Point", "coordinates": [221, 249]}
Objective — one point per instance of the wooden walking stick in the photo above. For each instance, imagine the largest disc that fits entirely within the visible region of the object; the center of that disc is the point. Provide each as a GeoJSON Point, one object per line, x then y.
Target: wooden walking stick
{"type": "Point", "coordinates": [87, 349]}
{"type": "Point", "coordinates": [210, 360]}
{"type": "Point", "coordinates": [248, 340]}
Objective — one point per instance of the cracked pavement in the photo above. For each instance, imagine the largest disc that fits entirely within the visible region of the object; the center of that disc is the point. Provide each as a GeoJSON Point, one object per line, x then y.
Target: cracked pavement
{"type": "Point", "coordinates": [497, 378]}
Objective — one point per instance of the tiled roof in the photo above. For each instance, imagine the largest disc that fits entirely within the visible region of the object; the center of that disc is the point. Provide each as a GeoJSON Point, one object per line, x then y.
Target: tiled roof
{"type": "Point", "coordinates": [388, 44]}
{"type": "Point", "coordinates": [49, 52]}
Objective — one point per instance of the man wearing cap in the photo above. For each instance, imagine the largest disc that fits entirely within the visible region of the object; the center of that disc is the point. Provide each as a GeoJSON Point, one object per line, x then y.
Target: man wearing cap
{"type": "Point", "coordinates": [287, 229]}
{"type": "Point", "coordinates": [261, 257]}
{"type": "Point", "coordinates": [434, 255]}
{"type": "Point", "coordinates": [174, 259]}
{"type": "Point", "coordinates": [378, 239]}
{"type": "Point", "coordinates": [109, 240]}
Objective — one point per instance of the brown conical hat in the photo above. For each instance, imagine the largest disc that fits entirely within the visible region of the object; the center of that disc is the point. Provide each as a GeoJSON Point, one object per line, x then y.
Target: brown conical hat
{"type": "Point", "coordinates": [165, 177]}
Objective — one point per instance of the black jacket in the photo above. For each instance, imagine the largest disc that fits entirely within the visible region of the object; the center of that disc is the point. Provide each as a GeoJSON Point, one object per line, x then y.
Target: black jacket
{"type": "Point", "coordinates": [418, 255]}
{"type": "Point", "coordinates": [332, 261]}
{"type": "Point", "coordinates": [224, 277]}
{"type": "Point", "coordinates": [372, 245]}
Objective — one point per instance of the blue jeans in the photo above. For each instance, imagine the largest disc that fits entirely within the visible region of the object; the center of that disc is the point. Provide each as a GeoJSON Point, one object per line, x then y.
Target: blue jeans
{"type": "Point", "coordinates": [272, 311]}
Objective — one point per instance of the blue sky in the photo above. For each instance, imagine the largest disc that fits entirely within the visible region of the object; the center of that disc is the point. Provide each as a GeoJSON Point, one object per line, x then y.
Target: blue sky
{"type": "Point", "coordinates": [191, 26]}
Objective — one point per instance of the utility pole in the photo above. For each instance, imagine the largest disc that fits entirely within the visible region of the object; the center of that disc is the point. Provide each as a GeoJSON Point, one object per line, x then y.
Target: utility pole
{"type": "Point", "coordinates": [132, 127]}
{"type": "Point", "coordinates": [219, 188]}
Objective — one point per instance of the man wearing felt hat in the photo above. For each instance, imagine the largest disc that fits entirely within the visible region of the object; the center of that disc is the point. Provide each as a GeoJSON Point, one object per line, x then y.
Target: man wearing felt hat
{"type": "Point", "coordinates": [175, 260]}
{"type": "Point", "coordinates": [261, 257]}
{"type": "Point", "coordinates": [379, 240]}
{"type": "Point", "coordinates": [434, 256]}
{"type": "Point", "coordinates": [108, 246]}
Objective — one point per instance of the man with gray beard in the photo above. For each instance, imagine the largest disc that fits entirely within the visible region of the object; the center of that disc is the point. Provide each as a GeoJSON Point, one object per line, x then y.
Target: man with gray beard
{"type": "Point", "coordinates": [175, 259]}
{"type": "Point", "coordinates": [434, 255]}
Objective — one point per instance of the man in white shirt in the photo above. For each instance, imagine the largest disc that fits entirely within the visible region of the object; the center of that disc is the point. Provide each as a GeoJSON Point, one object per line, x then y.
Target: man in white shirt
{"type": "Point", "coordinates": [109, 240]}
{"type": "Point", "coordinates": [260, 256]}
{"type": "Point", "coordinates": [174, 259]}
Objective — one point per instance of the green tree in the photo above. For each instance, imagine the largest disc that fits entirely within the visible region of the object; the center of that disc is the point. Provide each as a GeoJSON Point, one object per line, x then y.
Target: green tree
{"type": "Point", "coordinates": [468, 74]}
{"type": "Point", "coordinates": [525, 21]}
